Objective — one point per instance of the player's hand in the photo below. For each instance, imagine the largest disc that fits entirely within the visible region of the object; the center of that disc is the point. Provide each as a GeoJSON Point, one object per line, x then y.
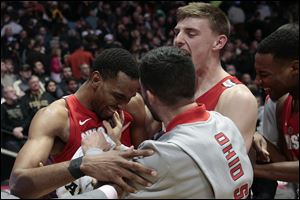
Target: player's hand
{"type": "Point", "coordinates": [260, 145]}
{"type": "Point", "coordinates": [116, 132]}
{"type": "Point", "coordinates": [114, 166]}
{"type": "Point", "coordinates": [94, 140]}
{"type": "Point", "coordinates": [18, 132]}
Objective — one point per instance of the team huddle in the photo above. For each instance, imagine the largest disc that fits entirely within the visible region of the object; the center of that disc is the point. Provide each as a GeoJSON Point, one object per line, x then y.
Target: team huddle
{"type": "Point", "coordinates": [175, 125]}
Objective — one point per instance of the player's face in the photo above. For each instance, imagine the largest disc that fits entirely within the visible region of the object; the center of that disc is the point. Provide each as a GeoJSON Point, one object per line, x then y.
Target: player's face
{"type": "Point", "coordinates": [273, 76]}
{"type": "Point", "coordinates": [114, 95]}
{"type": "Point", "coordinates": [196, 37]}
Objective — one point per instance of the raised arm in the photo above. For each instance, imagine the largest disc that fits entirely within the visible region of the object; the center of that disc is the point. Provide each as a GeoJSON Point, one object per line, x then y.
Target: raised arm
{"type": "Point", "coordinates": [239, 104]}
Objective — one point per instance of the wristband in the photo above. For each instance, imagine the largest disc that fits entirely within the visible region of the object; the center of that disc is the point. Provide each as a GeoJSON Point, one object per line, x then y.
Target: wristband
{"type": "Point", "coordinates": [74, 168]}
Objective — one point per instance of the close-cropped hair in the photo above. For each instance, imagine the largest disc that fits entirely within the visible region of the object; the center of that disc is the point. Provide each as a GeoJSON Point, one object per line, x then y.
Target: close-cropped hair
{"type": "Point", "coordinates": [219, 23]}
{"type": "Point", "coordinates": [168, 72]}
{"type": "Point", "coordinates": [114, 60]}
{"type": "Point", "coordinates": [283, 43]}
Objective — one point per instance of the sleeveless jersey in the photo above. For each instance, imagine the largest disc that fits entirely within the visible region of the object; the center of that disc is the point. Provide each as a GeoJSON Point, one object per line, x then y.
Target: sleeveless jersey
{"type": "Point", "coordinates": [83, 121]}
{"type": "Point", "coordinates": [290, 127]}
{"type": "Point", "coordinates": [211, 97]}
{"type": "Point", "coordinates": [200, 148]}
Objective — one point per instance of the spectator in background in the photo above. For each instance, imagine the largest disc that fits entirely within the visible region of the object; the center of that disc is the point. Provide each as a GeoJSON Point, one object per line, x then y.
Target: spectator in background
{"type": "Point", "coordinates": [8, 77]}
{"type": "Point", "coordinates": [21, 85]}
{"type": "Point", "coordinates": [39, 71]}
{"type": "Point", "coordinates": [13, 133]}
{"type": "Point", "coordinates": [78, 57]}
{"type": "Point", "coordinates": [65, 75]}
{"type": "Point", "coordinates": [37, 53]}
{"type": "Point", "coordinates": [72, 86]}
{"type": "Point", "coordinates": [85, 71]}
{"type": "Point", "coordinates": [53, 89]}
{"type": "Point", "coordinates": [34, 99]}
{"type": "Point", "coordinates": [246, 79]}
{"type": "Point", "coordinates": [12, 24]}
{"type": "Point", "coordinates": [56, 65]}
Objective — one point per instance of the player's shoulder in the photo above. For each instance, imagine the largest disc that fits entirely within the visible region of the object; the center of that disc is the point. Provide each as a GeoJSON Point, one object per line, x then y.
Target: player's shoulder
{"type": "Point", "coordinates": [57, 107]}
{"type": "Point", "coordinates": [240, 93]}
{"type": "Point", "coordinates": [136, 106]}
{"type": "Point", "coordinates": [56, 114]}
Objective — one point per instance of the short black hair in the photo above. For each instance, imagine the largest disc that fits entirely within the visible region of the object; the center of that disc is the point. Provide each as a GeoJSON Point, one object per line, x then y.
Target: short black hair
{"type": "Point", "coordinates": [283, 43]}
{"type": "Point", "coordinates": [113, 60]}
{"type": "Point", "coordinates": [168, 72]}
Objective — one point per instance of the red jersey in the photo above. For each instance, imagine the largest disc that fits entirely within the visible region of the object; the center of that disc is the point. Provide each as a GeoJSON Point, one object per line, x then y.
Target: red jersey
{"type": "Point", "coordinates": [211, 97]}
{"type": "Point", "coordinates": [83, 121]}
{"type": "Point", "coordinates": [290, 127]}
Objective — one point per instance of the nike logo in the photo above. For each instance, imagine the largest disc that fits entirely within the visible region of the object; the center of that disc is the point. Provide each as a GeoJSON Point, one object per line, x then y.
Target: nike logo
{"type": "Point", "coordinates": [83, 122]}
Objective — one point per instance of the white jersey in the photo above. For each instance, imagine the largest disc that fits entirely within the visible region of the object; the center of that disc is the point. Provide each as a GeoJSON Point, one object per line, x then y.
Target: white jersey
{"type": "Point", "coordinates": [270, 131]}
{"type": "Point", "coordinates": [198, 159]}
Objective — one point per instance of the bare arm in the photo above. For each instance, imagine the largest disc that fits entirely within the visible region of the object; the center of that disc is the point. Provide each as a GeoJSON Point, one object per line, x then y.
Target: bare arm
{"type": "Point", "coordinates": [284, 171]}
{"type": "Point", "coordinates": [239, 104]}
{"type": "Point", "coordinates": [30, 181]}
{"type": "Point", "coordinates": [27, 179]}
{"type": "Point", "coordinates": [136, 108]}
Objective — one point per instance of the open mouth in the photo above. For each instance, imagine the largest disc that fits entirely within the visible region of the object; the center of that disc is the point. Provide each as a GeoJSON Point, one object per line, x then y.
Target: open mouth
{"type": "Point", "coordinates": [186, 52]}
{"type": "Point", "coordinates": [267, 90]}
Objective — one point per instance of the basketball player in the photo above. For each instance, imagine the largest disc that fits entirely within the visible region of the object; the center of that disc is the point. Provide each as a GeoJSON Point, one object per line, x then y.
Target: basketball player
{"type": "Point", "coordinates": [57, 131]}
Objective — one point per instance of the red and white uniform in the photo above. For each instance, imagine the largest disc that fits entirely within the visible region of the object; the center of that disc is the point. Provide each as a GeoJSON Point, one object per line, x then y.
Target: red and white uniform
{"type": "Point", "coordinates": [84, 121]}
{"type": "Point", "coordinates": [211, 97]}
{"type": "Point", "coordinates": [289, 125]}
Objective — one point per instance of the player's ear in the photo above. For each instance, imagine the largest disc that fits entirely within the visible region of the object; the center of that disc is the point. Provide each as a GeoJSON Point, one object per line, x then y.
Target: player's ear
{"type": "Point", "coordinates": [295, 67]}
{"type": "Point", "coordinates": [220, 42]}
{"type": "Point", "coordinates": [96, 79]}
{"type": "Point", "coordinates": [151, 97]}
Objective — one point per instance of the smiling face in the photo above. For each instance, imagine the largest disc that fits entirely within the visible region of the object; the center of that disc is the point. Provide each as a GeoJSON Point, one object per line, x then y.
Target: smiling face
{"type": "Point", "coordinates": [113, 95]}
{"type": "Point", "coordinates": [277, 78]}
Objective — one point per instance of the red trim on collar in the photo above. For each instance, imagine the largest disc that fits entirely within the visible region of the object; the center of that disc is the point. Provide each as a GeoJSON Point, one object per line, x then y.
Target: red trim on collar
{"type": "Point", "coordinates": [195, 114]}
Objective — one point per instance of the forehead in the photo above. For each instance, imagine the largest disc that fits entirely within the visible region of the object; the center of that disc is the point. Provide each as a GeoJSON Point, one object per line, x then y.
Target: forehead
{"type": "Point", "coordinates": [123, 84]}
{"type": "Point", "coordinates": [9, 89]}
{"type": "Point", "coordinates": [193, 23]}
{"type": "Point", "coordinates": [264, 62]}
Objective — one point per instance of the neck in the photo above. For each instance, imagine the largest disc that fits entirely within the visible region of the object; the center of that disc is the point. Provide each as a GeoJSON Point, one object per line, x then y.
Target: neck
{"type": "Point", "coordinates": [167, 113]}
{"type": "Point", "coordinates": [35, 92]}
{"type": "Point", "coordinates": [83, 95]}
{"type": "Point", "coordinates": [207, 77]}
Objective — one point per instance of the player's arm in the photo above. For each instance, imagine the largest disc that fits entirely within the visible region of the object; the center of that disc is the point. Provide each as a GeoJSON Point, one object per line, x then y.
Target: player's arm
{"type": "Point", "coordinates": [239, 104]}
{"type": "Point", "coordinates": [28, 180]}
{"type": "Point", "coordinates": [136, 108]}
{"type": "Point", "coordinates": [284, 171]}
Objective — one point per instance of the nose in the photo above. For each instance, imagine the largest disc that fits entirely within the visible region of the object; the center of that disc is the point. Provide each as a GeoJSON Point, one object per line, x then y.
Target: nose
{"type": "Point", "coordinates": [120, 106]}
{"type": "Point", "coordinates": [258, 81]}
{"type": "Point", "coordinates": [178, 40]}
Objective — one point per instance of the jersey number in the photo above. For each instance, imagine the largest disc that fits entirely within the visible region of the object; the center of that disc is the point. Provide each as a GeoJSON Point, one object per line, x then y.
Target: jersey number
{"type": "Point", "coordinates": [71, 187]}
